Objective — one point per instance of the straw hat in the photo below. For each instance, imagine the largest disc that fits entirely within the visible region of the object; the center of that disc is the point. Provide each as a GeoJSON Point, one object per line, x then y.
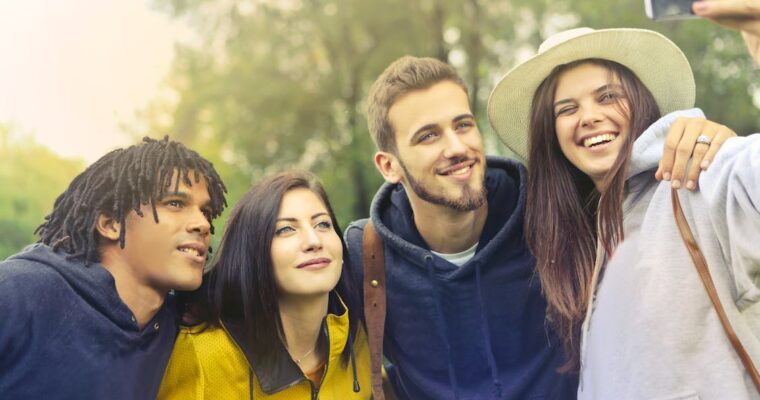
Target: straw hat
{"type": "Point", "coordinates": [657, 61]}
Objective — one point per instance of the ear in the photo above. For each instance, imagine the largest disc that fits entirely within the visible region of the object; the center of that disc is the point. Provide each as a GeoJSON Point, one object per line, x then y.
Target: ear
{"type": "Point", "coordinates": [389, 167]}
{"type": "Point", "coordinates": [108, 227]}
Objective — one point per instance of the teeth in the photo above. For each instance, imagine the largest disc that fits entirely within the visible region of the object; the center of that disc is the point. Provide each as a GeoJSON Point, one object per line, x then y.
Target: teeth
{"type": "Point", "coordinates": [460, 171]}
{"type": "Point", "coordinates": [190, 251]}
{"type": "Point", "coordinates": [607, 137]}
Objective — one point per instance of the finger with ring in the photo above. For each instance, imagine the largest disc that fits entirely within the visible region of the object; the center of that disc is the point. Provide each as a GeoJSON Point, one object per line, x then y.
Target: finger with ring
{"type": "Point", "coordinates": [704, 139]}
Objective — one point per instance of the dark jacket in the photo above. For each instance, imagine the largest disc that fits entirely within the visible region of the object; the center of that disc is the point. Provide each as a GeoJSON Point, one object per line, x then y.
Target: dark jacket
{"type": "Point", "coordinates": [472, 332]}
{"type": "Point", "coordinates": [66, 334]}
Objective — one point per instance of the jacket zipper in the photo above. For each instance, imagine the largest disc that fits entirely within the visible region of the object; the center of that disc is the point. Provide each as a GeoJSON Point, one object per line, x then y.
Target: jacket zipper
{"type": "Point", "coordinates": [315, 393]}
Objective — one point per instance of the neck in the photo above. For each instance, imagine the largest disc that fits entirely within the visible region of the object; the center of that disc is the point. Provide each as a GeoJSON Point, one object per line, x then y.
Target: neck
{"type": "Point", "coordinates": [301, 322]}
{"type": "Point", "coordinates": [447, 230]}
{"type": "Point", "coordinates": [143, 300]}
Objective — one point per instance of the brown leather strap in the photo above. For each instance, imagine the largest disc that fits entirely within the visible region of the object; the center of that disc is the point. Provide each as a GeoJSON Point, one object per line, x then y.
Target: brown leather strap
{"type": "Point", "coordinates": [704, 274]}
{"type": "Point", "coordinates": [374, 305]}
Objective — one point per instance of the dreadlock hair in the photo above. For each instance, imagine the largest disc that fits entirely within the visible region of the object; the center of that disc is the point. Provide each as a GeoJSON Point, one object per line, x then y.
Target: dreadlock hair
{"type": "Point", "coordinates": [119, 182]}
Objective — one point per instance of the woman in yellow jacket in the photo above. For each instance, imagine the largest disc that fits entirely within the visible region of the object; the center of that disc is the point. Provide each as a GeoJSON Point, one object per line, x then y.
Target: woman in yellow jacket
{"type": "Point", "coordinates": [275, 317]}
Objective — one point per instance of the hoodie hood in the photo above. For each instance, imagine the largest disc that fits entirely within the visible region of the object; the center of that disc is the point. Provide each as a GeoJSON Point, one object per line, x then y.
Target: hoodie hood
{"type": "Point", "coordinates": [505, 183]}
{"type": "Point", "coordinates": [647, 149]}
{"type": "Point", "coordinates": [93, 283]}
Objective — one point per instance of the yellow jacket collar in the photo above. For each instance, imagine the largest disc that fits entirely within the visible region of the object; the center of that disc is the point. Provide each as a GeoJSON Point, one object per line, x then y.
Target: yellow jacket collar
{"type": "Point", "coordinates": [278, 371]}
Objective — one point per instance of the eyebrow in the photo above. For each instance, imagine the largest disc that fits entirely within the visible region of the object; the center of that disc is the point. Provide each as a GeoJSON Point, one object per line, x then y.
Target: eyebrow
{"type": "Point", "coordinates": [600, 89]}
{"type": "Point", "coordinates": [319, 214]}
{"type": "Point", "coordinates": [431, 126]}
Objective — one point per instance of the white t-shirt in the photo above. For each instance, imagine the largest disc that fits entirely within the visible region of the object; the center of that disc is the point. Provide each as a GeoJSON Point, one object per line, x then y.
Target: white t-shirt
{"type": "Point", "coordinates": [460, 258]}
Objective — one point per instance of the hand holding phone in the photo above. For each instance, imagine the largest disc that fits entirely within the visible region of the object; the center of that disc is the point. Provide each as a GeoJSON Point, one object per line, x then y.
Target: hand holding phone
{"type": "Point", "coordinates": [740, 15]}
{"type": "Point", "coordinates": [669, 9]}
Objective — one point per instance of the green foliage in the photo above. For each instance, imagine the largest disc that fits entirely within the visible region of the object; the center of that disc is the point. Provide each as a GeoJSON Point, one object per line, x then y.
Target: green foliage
{"type": "Point", "coordinates": [278, 84]}
{"type": "Point", "coordinates": [31, 177]}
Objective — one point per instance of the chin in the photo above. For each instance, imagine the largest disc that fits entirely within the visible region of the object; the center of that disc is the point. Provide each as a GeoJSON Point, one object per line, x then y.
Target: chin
{"type": "Point", "coordinates": [188, 285]}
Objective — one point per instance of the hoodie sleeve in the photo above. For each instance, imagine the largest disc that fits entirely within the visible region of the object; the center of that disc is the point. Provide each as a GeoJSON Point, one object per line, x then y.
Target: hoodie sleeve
{"type": "Point", "coordinates": [18, 290]}
{"type": "Point", "coordinates": [731, 187]}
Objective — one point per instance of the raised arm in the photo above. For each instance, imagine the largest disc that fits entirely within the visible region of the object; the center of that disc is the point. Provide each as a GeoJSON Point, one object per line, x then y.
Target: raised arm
{"type": "Point", "coordinates": [731, 188]}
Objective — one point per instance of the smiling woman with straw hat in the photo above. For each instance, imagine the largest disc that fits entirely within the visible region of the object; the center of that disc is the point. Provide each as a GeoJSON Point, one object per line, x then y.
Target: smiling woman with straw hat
{"type": "Point", "coordinates": [596, 106]}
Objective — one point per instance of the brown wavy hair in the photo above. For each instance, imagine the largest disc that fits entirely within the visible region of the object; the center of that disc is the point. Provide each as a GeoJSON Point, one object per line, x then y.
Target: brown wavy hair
{"type": "Point", "coordinates": [566, 214]}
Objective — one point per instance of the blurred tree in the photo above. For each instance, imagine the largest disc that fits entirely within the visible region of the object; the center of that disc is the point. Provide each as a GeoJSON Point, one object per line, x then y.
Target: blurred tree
{"type": "Point", "coordinates": [272, 84]}
{"type": "Point", "coordinates": [31, 177]}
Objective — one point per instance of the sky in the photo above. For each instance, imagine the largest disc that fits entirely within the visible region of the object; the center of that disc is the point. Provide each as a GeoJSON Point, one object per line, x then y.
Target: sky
{"type": "Point", "coordinates": [72, 71]}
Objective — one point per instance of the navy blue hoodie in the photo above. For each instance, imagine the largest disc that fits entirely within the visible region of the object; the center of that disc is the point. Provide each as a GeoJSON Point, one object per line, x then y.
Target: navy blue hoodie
{"type": "Point", "coordinates": [66, 334]}
{"type": "Point", "coordinates": [472, 332]}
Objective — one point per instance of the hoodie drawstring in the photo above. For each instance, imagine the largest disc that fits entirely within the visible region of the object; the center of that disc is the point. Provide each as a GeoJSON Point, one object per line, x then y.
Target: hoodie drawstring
{"type": "Point", "coordinates": [250, 384]}
{"type": "Point", "coordinates": [353, 362]}
{"type": "Point", "coordinates": [487, 336]}
{"type": "Point", "coordinates": [442, 325]}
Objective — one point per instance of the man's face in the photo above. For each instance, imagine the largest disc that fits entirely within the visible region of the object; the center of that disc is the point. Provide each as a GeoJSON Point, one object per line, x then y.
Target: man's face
{"type": "Point", "coordinates": [170, 254]}
{"type": "Point", "coordinates": [440, 152]}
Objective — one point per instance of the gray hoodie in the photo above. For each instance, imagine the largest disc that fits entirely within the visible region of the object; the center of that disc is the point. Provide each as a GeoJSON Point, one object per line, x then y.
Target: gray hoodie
{"type": "Point", "coordinates": [652, 332]}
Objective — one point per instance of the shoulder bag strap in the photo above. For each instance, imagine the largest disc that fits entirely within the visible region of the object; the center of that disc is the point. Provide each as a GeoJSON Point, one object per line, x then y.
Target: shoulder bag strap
{"type": "Point", "coordinates": [701, 264]}
{"type": "Point", "coordinates": [374, 305]}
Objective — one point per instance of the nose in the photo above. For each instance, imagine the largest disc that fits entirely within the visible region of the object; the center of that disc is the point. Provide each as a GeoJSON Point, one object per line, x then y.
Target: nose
{"type": "Point", "coordinates": [199, 223]}
{"type": "Point", "coordinates": [590, 115]}
{"type": "Point", "coordinates": [455, 145]}
{"type": "Point", "coordinates": [310, 240]}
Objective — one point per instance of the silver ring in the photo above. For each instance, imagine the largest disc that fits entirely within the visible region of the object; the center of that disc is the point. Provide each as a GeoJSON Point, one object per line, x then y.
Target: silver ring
{"type": "Point", "coordinates": [704, 139]}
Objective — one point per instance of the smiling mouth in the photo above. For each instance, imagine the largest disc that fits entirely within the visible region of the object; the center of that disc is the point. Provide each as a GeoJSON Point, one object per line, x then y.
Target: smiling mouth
{"type": "Point", "coordinates": [460, 168]}
{"type": "Point", "coordinates": [193, 251]}
{"type": "Point", "coordinates": [317, 262]}
{"type": "Point", "coordinates": [598, 139]}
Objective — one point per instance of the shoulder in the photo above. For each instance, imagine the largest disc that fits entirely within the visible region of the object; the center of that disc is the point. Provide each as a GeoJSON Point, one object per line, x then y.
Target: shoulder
{"type": "Point", "coordinates": [504, 163]}
{"type": "Point", "coordinates": [205, 363]}
{"type": "Point", "coordinates": [354, 233]}
{"type": "Point", "coordinates": [506, 172]}
{"type": "Point", "coordinates": [210, 344]}
{"type": "Point", "coordinates": [24, 278]}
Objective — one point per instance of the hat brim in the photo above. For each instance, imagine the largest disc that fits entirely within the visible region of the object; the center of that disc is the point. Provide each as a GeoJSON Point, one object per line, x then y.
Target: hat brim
{"type": "Point", "coordinates": [658, 63]}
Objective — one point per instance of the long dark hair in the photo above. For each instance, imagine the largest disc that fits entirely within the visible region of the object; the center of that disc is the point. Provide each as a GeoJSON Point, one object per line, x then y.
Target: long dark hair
{"type": "Point", "coordinates": [564, 204]}
{"type": "Point", "coordinates": [240, 284]}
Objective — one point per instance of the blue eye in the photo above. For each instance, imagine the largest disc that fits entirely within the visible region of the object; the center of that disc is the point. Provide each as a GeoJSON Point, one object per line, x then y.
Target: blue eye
{"type": "Point", "coordinates": [464, 125]}
{"type": "Point", "coordinates": [284, 230]}
{"type": "Point", "coordinates": [427, 136]}
{"type": "Point", "coordinates": [324, 225]}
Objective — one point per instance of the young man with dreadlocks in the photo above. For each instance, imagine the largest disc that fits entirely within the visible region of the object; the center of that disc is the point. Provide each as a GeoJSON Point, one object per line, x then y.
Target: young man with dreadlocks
{"type": "Point", "coordinates": [86, 313]}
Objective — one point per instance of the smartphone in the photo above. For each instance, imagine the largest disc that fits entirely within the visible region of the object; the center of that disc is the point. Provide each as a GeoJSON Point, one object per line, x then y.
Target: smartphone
{"type": "Point", "coordinates": [669, 9]}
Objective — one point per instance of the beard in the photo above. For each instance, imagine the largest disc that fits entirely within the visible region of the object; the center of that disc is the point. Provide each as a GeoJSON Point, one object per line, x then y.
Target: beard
{"type": "Point", "coordinates": [470, 199]}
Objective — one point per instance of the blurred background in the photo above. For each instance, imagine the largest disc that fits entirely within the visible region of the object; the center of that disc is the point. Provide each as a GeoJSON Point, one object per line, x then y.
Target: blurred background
{"type": "Point", "coordinates": [262, 85]}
